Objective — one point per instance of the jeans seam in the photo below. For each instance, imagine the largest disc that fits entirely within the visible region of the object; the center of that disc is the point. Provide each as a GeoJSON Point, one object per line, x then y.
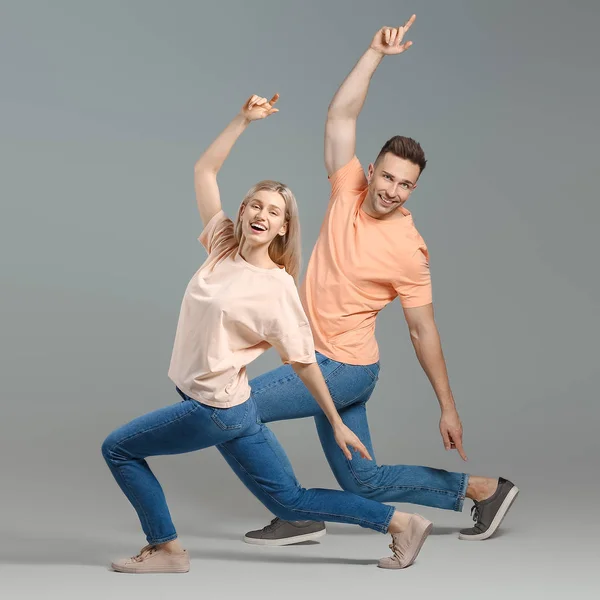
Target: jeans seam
{"type": "Point", "coordinates": [222, 425]}
{"type": "Point", "coordinates": [134, 435]}
{"type": "Point", "coordinates": [284, 380]}
{"type": "Point", "coordinates": [141, 506]}
{"type": "Point", "coordinates": [373, 376]}
{"type": "Point", "coordinates": [163, 540]}
{"type": "Point", "coordinates": [348, 402]}
{"type": "Point", "coordinates": [138, 433]}
{"type": "Point", "coordinates": [389, 518]}
{"type": "Point", "coordinates": [368, 392]}
{"type": "Point", "coordinates": [375, 526]}
{"type": "Point", "coordinates": [400, 487]}
{"type": "Point", "coordinates": [460, 500]}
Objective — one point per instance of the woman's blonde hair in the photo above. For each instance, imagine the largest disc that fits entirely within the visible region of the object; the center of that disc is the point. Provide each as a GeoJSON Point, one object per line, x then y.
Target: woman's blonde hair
{"type": "Point", "coordinates": [284, 249]}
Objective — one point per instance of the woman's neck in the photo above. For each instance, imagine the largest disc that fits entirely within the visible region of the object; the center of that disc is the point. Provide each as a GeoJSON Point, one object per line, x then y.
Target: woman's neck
{"type": "Point", "coordinates": [257, 256]}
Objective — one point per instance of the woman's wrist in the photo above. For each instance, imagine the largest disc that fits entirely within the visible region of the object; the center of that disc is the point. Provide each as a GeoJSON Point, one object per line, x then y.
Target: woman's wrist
{"type": "Point", "coordinates": [335, 421]}
{"type": "Point", "coordinates": [243, 119]}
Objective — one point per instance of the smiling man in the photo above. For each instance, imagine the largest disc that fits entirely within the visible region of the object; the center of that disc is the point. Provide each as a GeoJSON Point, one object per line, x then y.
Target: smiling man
{"type": "Point", "coordinates": [368, 253]}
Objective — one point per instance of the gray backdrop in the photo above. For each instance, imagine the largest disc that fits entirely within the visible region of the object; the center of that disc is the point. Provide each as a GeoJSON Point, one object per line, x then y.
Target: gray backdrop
{"type": "Point", "coordinates": [104, 109]}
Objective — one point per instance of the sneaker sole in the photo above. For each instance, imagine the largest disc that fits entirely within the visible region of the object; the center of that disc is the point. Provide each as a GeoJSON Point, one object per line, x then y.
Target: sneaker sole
{"type": "Point", "coordinates": [297, 539]}
{"type": "Point", "coordinates": [420, 545]}
{"type": "Point", "coordinates": [510, 498]}
{"type": "Point", "coordinates": [424, 536]}
{"type": "Point", "coordinates": [141, 571]}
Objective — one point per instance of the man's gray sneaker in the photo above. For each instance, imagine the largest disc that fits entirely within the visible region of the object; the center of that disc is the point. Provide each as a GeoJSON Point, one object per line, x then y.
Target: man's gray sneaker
{"type": "Point", "coordinates": [282, 533]}
{"type": "Point", "coordinates": [488, 514]}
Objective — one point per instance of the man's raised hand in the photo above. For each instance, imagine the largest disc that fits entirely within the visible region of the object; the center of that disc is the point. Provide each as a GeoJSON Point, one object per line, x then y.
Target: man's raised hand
{"type": "Point", "coordinates": [389, 40]}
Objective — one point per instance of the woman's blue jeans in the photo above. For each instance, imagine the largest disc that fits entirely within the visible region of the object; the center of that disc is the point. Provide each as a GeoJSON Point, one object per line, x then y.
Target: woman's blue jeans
{"type": "Point", "coordinates": [248, 446]}
{"type": "Point", "coordinates": [281, 395]}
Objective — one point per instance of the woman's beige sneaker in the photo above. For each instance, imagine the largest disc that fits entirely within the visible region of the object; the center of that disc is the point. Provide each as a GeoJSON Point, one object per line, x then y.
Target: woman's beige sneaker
{"type": "Point", "coordinates": [154, 560]}
{"type": "Point", "coordinates": [407, 545]}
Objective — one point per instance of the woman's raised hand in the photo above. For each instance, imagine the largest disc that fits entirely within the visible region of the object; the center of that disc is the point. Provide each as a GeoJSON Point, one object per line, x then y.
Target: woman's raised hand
{"type": "Point", "coordinates": [257, 107]}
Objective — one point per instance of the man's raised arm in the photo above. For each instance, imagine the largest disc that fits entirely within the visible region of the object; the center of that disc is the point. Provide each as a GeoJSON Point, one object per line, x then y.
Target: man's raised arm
{"type": "Point", "coordinates": [340, 128]}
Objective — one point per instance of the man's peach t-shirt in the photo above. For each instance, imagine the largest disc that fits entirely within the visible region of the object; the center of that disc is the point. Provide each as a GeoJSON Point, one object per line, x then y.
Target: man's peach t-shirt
{"type": "Point", "coordinates": [231, 313]}
{"type": "Point", "coordinates": [358, 266]}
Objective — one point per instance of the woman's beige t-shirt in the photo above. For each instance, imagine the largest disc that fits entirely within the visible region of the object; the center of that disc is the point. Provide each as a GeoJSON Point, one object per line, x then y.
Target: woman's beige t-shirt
{"type": "Point", "coordinates": [231, 313]}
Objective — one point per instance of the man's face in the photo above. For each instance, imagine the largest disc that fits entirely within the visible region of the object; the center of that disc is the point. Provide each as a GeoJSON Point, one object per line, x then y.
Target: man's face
{"type": "Point", "coordinates": [391, 182]}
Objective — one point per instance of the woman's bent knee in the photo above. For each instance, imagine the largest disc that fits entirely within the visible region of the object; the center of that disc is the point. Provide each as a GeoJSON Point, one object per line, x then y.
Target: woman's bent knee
{"type": "Point", "coordinates": [109, 445]}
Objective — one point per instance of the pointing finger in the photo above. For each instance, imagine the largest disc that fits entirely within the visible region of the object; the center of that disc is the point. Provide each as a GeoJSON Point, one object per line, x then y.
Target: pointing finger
{"type": "Point", "coordinates": [409, 23]}
{"type": "Point", "coordinates": [459, 448]}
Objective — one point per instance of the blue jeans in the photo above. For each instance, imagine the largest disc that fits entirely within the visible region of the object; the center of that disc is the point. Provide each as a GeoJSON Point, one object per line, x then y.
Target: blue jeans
{"type": "Point", "coordinates": [281, 395]}
{"type": "Point", "coordinates": [249, 447]}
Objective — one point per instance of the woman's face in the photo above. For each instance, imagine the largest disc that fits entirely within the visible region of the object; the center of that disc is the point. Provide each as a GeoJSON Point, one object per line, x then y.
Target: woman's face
{"type": "Point", "coordinates": [263, 218]}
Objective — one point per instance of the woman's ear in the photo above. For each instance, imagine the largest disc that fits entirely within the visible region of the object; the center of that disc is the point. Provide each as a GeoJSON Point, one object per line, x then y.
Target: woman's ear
{"type": "Point", "coordinates": [283, 229]}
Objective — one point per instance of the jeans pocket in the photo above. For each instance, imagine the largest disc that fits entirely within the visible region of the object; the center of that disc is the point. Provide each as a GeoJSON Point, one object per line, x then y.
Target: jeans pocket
{"type": "Point", "coordinates": [372, 370]}
{"type": "Point", "coordinates": [230, 418]}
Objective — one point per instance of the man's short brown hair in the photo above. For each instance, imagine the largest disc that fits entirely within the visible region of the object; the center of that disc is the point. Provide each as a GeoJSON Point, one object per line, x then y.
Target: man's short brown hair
{"type": "Point", "coordinates": [404, 147]}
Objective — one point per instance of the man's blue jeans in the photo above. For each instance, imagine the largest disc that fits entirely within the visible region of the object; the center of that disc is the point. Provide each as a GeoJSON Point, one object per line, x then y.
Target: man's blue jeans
{"type": "Point", "coordinates": [248, 446]}
{"type": "Point", "coordinates": [281, 395]}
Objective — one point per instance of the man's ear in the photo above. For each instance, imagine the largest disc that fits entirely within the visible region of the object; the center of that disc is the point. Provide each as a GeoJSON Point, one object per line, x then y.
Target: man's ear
{"type": "Point", "coordinates": [370, 172]}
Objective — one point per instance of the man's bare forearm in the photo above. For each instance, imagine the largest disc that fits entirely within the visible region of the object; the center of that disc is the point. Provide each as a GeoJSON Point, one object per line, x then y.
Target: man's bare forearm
{"type": "Point", "coordinates": [429, 352]}
{"type": "Point", "coordinates": [350, 97]}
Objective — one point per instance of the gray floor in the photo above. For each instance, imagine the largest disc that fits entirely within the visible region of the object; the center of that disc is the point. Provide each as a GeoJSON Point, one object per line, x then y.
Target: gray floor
{"type": "Point", "coordinates": [543, 550]}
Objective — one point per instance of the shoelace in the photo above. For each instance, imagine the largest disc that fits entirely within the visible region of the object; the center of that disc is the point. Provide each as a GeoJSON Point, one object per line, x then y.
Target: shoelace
{"type": "Point", "coordinates": [395, 550]}
{"type": "Point", "coordinates": [144, 552]}
{"type": "Point", "coordinates": [475, 512]}
{"type": "Point", "coordinates": [272, 525]}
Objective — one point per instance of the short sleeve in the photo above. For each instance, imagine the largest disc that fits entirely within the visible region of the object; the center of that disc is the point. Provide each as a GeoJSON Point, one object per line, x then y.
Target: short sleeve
{"type": "Point", "coordinates": [217, 236]}
{"type": "Point", "coordinates": [296, 347]}
{"type": "Point", "coordinates": [289, 330]}
{"type": "Point", "coordinates": [349, 179]}
{"type": "Point", "coordinates": [413, 285]}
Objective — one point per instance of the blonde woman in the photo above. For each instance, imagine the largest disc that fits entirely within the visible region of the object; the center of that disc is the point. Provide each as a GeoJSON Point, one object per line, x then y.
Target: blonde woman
{"type": "Point", "coordinates": [240, 302]}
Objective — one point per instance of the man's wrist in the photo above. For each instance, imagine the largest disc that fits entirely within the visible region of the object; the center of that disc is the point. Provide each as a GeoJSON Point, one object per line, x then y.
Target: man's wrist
{"type": "Point", "coordinates": [375, 54]}
{"type": "Point", "coordinates": [447, 407]}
